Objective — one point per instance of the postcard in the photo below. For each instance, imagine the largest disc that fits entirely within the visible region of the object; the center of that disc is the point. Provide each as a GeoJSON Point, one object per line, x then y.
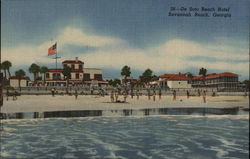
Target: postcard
{"type": "Point", "coordinates": [153, 79]}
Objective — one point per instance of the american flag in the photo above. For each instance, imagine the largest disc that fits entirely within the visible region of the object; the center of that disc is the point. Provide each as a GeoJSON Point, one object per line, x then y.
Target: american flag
{"type": "Point", "coordinates": [52, 50]}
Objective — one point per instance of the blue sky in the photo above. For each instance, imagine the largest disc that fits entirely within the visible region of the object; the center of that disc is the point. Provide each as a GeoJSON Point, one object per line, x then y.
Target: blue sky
{"type": "Point", "coordinates": [111, 33]}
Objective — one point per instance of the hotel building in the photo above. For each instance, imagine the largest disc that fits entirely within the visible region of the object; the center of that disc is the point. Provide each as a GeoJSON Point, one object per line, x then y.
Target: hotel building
{"type": "Point", "coordinates": [14, 81]}
{"type": "Point", "coordinates": [225, 81]}
{"type": "Point", "coordinates": [173, 81]}
{"type": "Point", "coordinates": [78, 76]}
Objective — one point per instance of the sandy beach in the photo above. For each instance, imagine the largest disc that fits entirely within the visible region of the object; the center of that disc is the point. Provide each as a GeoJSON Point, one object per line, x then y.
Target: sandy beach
{"type": "Point", "coordinates": [42, 103]}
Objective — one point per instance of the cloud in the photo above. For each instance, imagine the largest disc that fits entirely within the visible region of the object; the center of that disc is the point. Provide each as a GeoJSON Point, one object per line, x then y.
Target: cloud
{"type": "Point", "coordinates": [27, 54]}
{"type": "Point", "coordinates": [136, 58]}
{"type": "Point", "coordinates": [76, 36]}
{"type": "Point", "coordinates": [171, 56]}
{"type": "Point", "coordinates": [183, 49]}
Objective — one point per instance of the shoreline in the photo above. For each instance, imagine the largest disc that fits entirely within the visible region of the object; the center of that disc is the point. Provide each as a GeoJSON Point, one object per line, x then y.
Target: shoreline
{"type": "Point", "coordinates": [143, 91]}
{"type": "Point", "coordinates": [43, 103]}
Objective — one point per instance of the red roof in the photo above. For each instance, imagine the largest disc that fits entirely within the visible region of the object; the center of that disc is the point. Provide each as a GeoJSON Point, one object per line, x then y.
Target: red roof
{"type": "Point", "coordinates": [72, 62]}
{"type": "Point", "coordinates": [197, 77]}
{"type": "Point", "coordinates": [180, 77]}
{"type": "Point", "coordinates": [60, 70]}
{"type": "Point", "coordinates": [183, 77]}
{"type": "Point", "coordinates": [166, 75]}
{"type": "Point", "coordinates": [228, 74]}
{"type": "Point", "coordinates": [175, 77]}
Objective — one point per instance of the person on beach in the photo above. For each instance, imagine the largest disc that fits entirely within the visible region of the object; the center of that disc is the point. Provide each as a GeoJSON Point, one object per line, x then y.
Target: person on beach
{"type": "Point", "coordinates": [132, 93]}
{"type": "Point", "coordinates": [15, 95]}
{"type": "Point", "coordinates": [112, 96]}
{"type": "Point", "coordinates": [204, 96]}
{"type": "Point", "coordinates": [174, 95]}
{"type": "Point", "coordinates": [125, 96]}
{"type": "Point", "coordinates": [76, 94]}
{"type": "Point", "coordinates": [199, 93]}
{"type": "Point", "coordinates": [149, 94]}
{"type": "Point", "coordinates": [137, 93]}
{"type": "Point", "coordinates": [103, 92]}
{"type": "Point", "coordinates": [154, 94]}
{"type": "Point", "coordinates": [100, 92]}
{"type": "Point", "coordinates": [213, 94]}
{"type": "Point", "coordinates": [116, 96]}
{"type": "Point", "coordinates": [53, 92]}
{"type": "Point", "coordinates": [7, 94]}
{"type": "Point", "coordinates": [187, 94]}
{"type": "Point", "coordinates": [159, 94]}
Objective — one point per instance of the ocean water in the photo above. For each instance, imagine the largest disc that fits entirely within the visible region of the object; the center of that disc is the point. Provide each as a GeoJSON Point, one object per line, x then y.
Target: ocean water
{"type": "Point", "coordinates": [141, 137]}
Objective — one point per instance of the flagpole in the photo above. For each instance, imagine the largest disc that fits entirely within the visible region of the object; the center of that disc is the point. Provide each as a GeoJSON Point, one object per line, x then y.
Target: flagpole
{"type": "Point", "coordinates": [56, 64]}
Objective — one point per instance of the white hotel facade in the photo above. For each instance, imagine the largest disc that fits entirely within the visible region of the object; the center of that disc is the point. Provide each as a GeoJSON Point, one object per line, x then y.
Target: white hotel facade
{"type": "Point", "coordinates": [78, 76]}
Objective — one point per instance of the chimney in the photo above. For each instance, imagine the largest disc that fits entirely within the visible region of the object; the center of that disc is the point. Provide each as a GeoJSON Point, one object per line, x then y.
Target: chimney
{"type": "Point", "coordinates": [76, 59]}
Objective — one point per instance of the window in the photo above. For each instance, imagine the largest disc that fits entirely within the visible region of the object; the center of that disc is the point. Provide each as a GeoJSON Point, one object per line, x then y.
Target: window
{"type": "Point", "coordinates": [86, 76]}
{"type": "Point", "coordinates": [56, 76]}
{"type": "Point", "coordinates": [47, 75]}
{"type": "Point", "coordinates": [80, 67]}
{"type": "Point", "coordinates": [98, 76]}
{"type": "Point", "coordinates": [73, 66]}
{"type": "Point", "coordinates": [77, 76]}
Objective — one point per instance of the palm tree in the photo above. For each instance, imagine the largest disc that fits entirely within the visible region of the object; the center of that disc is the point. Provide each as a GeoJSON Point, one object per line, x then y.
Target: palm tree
{"type": "Point", "coordinates": [203, 72]}
{"type": "Point", "coordinates": [66, 72]}
{"type": "Point", "coordinates": [20, 73]}
{"type": "Point", "coordinates": [6, 67]}
{"type": "Point", "coordinates": [189, 75]}
{"type": "Point", "coordinates": [154, 78]}
{"type": "Point", "coordinates": [147, 75]}
{"type": "Point", "coordinates": [116, 82]}
{"type": "Point", "coordinates": [44, 70]}
{"type": "Point", "coordinates": [125, 72]}
{"type": "Point", "coordinates": [35, 69]}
